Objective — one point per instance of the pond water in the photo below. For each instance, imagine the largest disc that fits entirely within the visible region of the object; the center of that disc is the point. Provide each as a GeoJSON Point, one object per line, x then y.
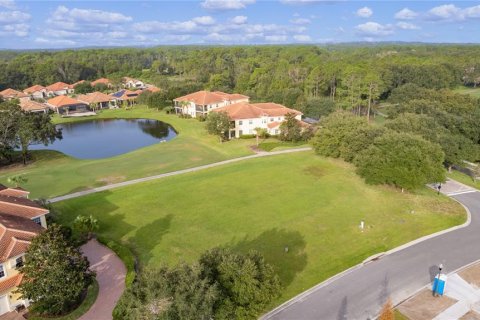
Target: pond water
{"type": "Point", "coordinates": [104, 138]}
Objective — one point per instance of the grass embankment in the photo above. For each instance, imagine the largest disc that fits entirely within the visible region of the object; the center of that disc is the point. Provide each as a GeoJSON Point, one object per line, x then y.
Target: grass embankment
{"type": "Point", "coordinates": [301, 201]}
{"type": "Point", "coordinates": [475, 92]}
{"type": "Point", "coordinates": [277, 145]}
{"type": "Point", "coordinates": [463, 178]}
{"type": "Point", "coordinates": [53, 173]}
{"type": "Point", "coordinates": [91, 296]}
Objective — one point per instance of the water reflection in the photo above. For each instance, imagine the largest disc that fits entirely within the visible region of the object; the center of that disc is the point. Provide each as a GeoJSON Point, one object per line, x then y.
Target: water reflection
{"type": "Point", "coordinates": [103, 138]}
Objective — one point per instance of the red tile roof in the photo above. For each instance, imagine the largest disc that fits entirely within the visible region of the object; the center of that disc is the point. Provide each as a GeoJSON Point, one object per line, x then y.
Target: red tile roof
{"type": "Point", "coordinates": [101, 80]}
{"type": "Point", "coordinates": [272, 125]}
{"type": "Point", "coordinates": [153, 89]}
{"type": "Point", "coordinates": [243, 110]}
{"type": "Point", "coordinates": [30, 105]}
{"type": "Point", "coordinates": [13, 192]}
{"type": "Point", "coordinates": [12, 94]}
{"type": "Point", "coordinates": [34, 88]}
{"type": "Point", "coordinates": [95, 97]}
{"type": "Point", "coordinates": [58, 86]}
{"type": "Point", "coordinates": [11, 282]}
{"type": "Point", "coordinates": [62, 101]}
{"type": "Point", "coordinates": [207, 97]}
{"type": "Point", "coordinates": [77, 83]}
{"type": "Point", "coordinates": [21, 207]}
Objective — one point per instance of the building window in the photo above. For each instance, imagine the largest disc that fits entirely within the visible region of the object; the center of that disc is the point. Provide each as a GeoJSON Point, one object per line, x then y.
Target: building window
{"type": "Point", "coordinates": [2, 271]}
{"type": "Point", "coordinates": [264, 120]}
{"type": "Point", "coordinates": [271, 119]}
{"type": "Point", "coordinates": [279, 118]}
{"type": "Point", "coordinates": [19, 262]}
{"type": "Point", "coordinates": [240, 132]}
{"type": "Point", "coordinates": [276, 131]}
{"type": "Point", "coordinates": [240, 122]}
{"type": "Point", "coordinates": [250, 121]}
{"type": "Point", "coordinates": [37, 220]}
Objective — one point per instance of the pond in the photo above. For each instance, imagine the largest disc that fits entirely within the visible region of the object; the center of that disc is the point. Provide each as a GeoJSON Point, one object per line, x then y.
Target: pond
{"type": "Point", "coordinates": [104, 138]}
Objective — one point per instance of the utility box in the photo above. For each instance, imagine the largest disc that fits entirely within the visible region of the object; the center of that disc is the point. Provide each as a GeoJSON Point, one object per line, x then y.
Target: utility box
{"type": "Point", "coordinates": [439, 284]}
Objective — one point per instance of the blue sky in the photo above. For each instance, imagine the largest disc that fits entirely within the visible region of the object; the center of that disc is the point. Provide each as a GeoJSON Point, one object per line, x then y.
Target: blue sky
{"type": "Point", "coordinates": [69, 24]}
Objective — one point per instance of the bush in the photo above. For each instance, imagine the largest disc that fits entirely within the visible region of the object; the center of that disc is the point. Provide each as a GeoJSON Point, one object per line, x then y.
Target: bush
{"type": "Point", "coordinates": [248, 136]}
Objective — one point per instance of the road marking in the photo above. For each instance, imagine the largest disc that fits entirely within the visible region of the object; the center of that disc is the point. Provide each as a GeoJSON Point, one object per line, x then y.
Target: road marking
{"type": "Point", "coordinates": [460, 192]}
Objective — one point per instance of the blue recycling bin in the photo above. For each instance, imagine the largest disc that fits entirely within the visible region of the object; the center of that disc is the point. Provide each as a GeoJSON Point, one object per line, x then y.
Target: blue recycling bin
{"type": "Point", "coordinates": [439, 284]}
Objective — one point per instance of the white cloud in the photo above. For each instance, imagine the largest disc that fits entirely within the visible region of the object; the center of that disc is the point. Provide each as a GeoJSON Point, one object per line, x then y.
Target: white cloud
{"type": "Point", "coordinates": [305, 2]}
{"type": "Point", "coordinates": [446, 12]}
{"type": "Point", "coordinates": [54, 42]}
{"type": "Point", "coordinates": [204, 20]}
{"type": "Point", "coordinates": [177, 27]}
{"type": "Point", "coordinates": [87, 16]}
{"type": "Point", "coordinates": [407, 26]}
{"type": "Point", "coordinates": [472, 12]}
{"type": "Point", "coordinates": [277, 38]}
{"type": "Point", "coordinates": [374, 29]}
{"type": "Point", "coordinates": [364, 12]}
{"type": "Point", "coordinates": [13, 17]}
{"type": "Point", "coordinates": [226, 4]}
{"type": "Point", "coordinates": [9, 4]}
{"type": "Point", "coordinates": [18, 29]}
{"type": "Point", "coordinates": [239, 20]}
{"type": "Point", "coordinates": [302, 38]}
{"type": "Point", "coordinates": [406, 14]}
{"type": "Point", "coordinates": [300, 21]}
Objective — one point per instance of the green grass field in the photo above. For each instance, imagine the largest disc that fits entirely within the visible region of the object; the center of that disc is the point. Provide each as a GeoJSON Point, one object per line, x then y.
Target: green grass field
{"type": "Point", "coordinates": [307, 203]}
{"type": "Point", "coordinates": [463, 178]}
{"type": "Point", "coordinates": [53, 173]}
{"type": "Point", "coordinates": [468, 90]}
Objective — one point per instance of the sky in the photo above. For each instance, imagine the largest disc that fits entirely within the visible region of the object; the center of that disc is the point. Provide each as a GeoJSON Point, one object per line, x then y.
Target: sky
{"type": "Point", "coordinates": [73, 24]}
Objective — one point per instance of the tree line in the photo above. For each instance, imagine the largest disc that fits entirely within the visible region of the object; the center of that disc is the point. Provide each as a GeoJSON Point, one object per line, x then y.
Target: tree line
{"type": "Point", "coordinates": [311, 79]}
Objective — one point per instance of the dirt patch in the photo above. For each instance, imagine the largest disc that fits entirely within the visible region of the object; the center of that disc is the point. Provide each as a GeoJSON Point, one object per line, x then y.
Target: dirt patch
{"type": "Point", "coordinates": [315, 171]}
{"type": "Point", "coordinates": [472, 275]}
{"type": "Point", "coordinates": [424, 306]}
{"type": "Point", "coordinates": [109, 180]}
{"type": "Point", "coordinates": [195, 159]}
{"type": "Point", "coordinates": [471, 315]}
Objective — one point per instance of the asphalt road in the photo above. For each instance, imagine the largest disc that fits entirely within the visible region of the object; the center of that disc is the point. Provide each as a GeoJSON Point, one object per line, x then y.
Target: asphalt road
{"type": "Point", "coordinates": [361, 292]}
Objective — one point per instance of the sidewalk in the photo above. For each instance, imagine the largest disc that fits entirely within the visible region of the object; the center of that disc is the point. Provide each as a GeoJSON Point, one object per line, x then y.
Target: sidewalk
{"type": "Point", "coordinates": [460, 301]}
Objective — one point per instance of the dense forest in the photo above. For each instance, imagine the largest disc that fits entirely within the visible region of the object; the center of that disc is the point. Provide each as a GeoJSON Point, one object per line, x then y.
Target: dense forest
{"type": "Point", "coordinates": [310, 78]}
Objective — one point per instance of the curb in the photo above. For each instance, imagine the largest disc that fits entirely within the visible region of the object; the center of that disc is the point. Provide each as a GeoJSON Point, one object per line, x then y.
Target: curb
{"type": "Point", "coordinates": [368, 260]}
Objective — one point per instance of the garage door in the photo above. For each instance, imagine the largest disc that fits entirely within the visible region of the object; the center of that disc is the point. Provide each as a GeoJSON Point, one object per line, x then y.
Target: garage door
{"type": "Point", "coordinates": [4, 308]}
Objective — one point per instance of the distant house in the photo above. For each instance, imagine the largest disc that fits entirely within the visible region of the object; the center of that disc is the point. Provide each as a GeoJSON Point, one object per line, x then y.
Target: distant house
{"type": "Point", "coordinates": [66, 105]}
{"type": "Point", "coordinates": [98, 100]}
{"type": "Point", "coordinates": [36, 92]}
{"type": "Point", "coordinates": [152, 88]}
{"type": "Point", "coordinates": [249, 116]}
{"type": "Point", "coordinates": [10, 94]}
{"type": "Point", "coordinates": [20, 221]}
{"type": "Point", "coordinates": [33, 106]}
{"type": "Point", "coordinates": [126, 97]}
{"type": "Point", "coordinates": [104, 81]}
{"type": "Point", "coordinates": [58, 89]}
{"type": "Point", "coordinates": [200, 103]}
{"type": "Point", "coordinates": [132, 83]}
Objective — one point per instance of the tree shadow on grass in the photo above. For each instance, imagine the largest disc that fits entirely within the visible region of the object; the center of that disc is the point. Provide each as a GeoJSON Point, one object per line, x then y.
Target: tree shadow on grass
{"type": "Point", "coordinates": [149, 236]}
{"type": "Point", "coordinates": [273, 244]}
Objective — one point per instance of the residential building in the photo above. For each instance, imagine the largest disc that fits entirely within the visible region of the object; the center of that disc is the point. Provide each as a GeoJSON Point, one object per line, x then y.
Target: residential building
{"type": "Point", "coordinates": [200, 103]}
{"type": "Point", "coordinates": [33, 106]}
{"type": "Point", "coordinates": [104, 81]}
{"type": "Point", "coordinates": [126, 97]}
{"type": "Point", "coordinates": [36, 92]}
{"type": "Point", "coordinates": [10, 94]}
{"type": "Point", "coordinates": [151, 88]}
{"type": "Point", "coordinates": [20, 221]}
{"type": "Point", "coordinates": [249, 116]}
{"type": "Point", "coordinates": [66, 105]}
{"type": "Point", "coordinates": [73, 85]}
{"type": "Point", "coordinates": [59, 88]}
{"type": "Point", "coordinates": [98, 100]}
{"type": "Point", "coordinates": [133, 83]}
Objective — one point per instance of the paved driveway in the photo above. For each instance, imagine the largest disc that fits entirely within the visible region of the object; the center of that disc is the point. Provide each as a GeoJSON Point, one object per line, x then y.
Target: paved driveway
{"type": "Point", "coordinates": [360, 292]}
{"type": "Point", "coordinates": [111, 280]}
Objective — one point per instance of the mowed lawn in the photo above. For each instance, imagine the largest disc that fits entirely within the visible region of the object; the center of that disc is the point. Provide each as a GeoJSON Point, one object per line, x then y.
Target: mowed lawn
{"type": "Point", "coordinates": [475, 92]}
{"type": "Point", "coordinates": [53, 173]}
{"type": "Point", "coordinates": [303, 202]}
